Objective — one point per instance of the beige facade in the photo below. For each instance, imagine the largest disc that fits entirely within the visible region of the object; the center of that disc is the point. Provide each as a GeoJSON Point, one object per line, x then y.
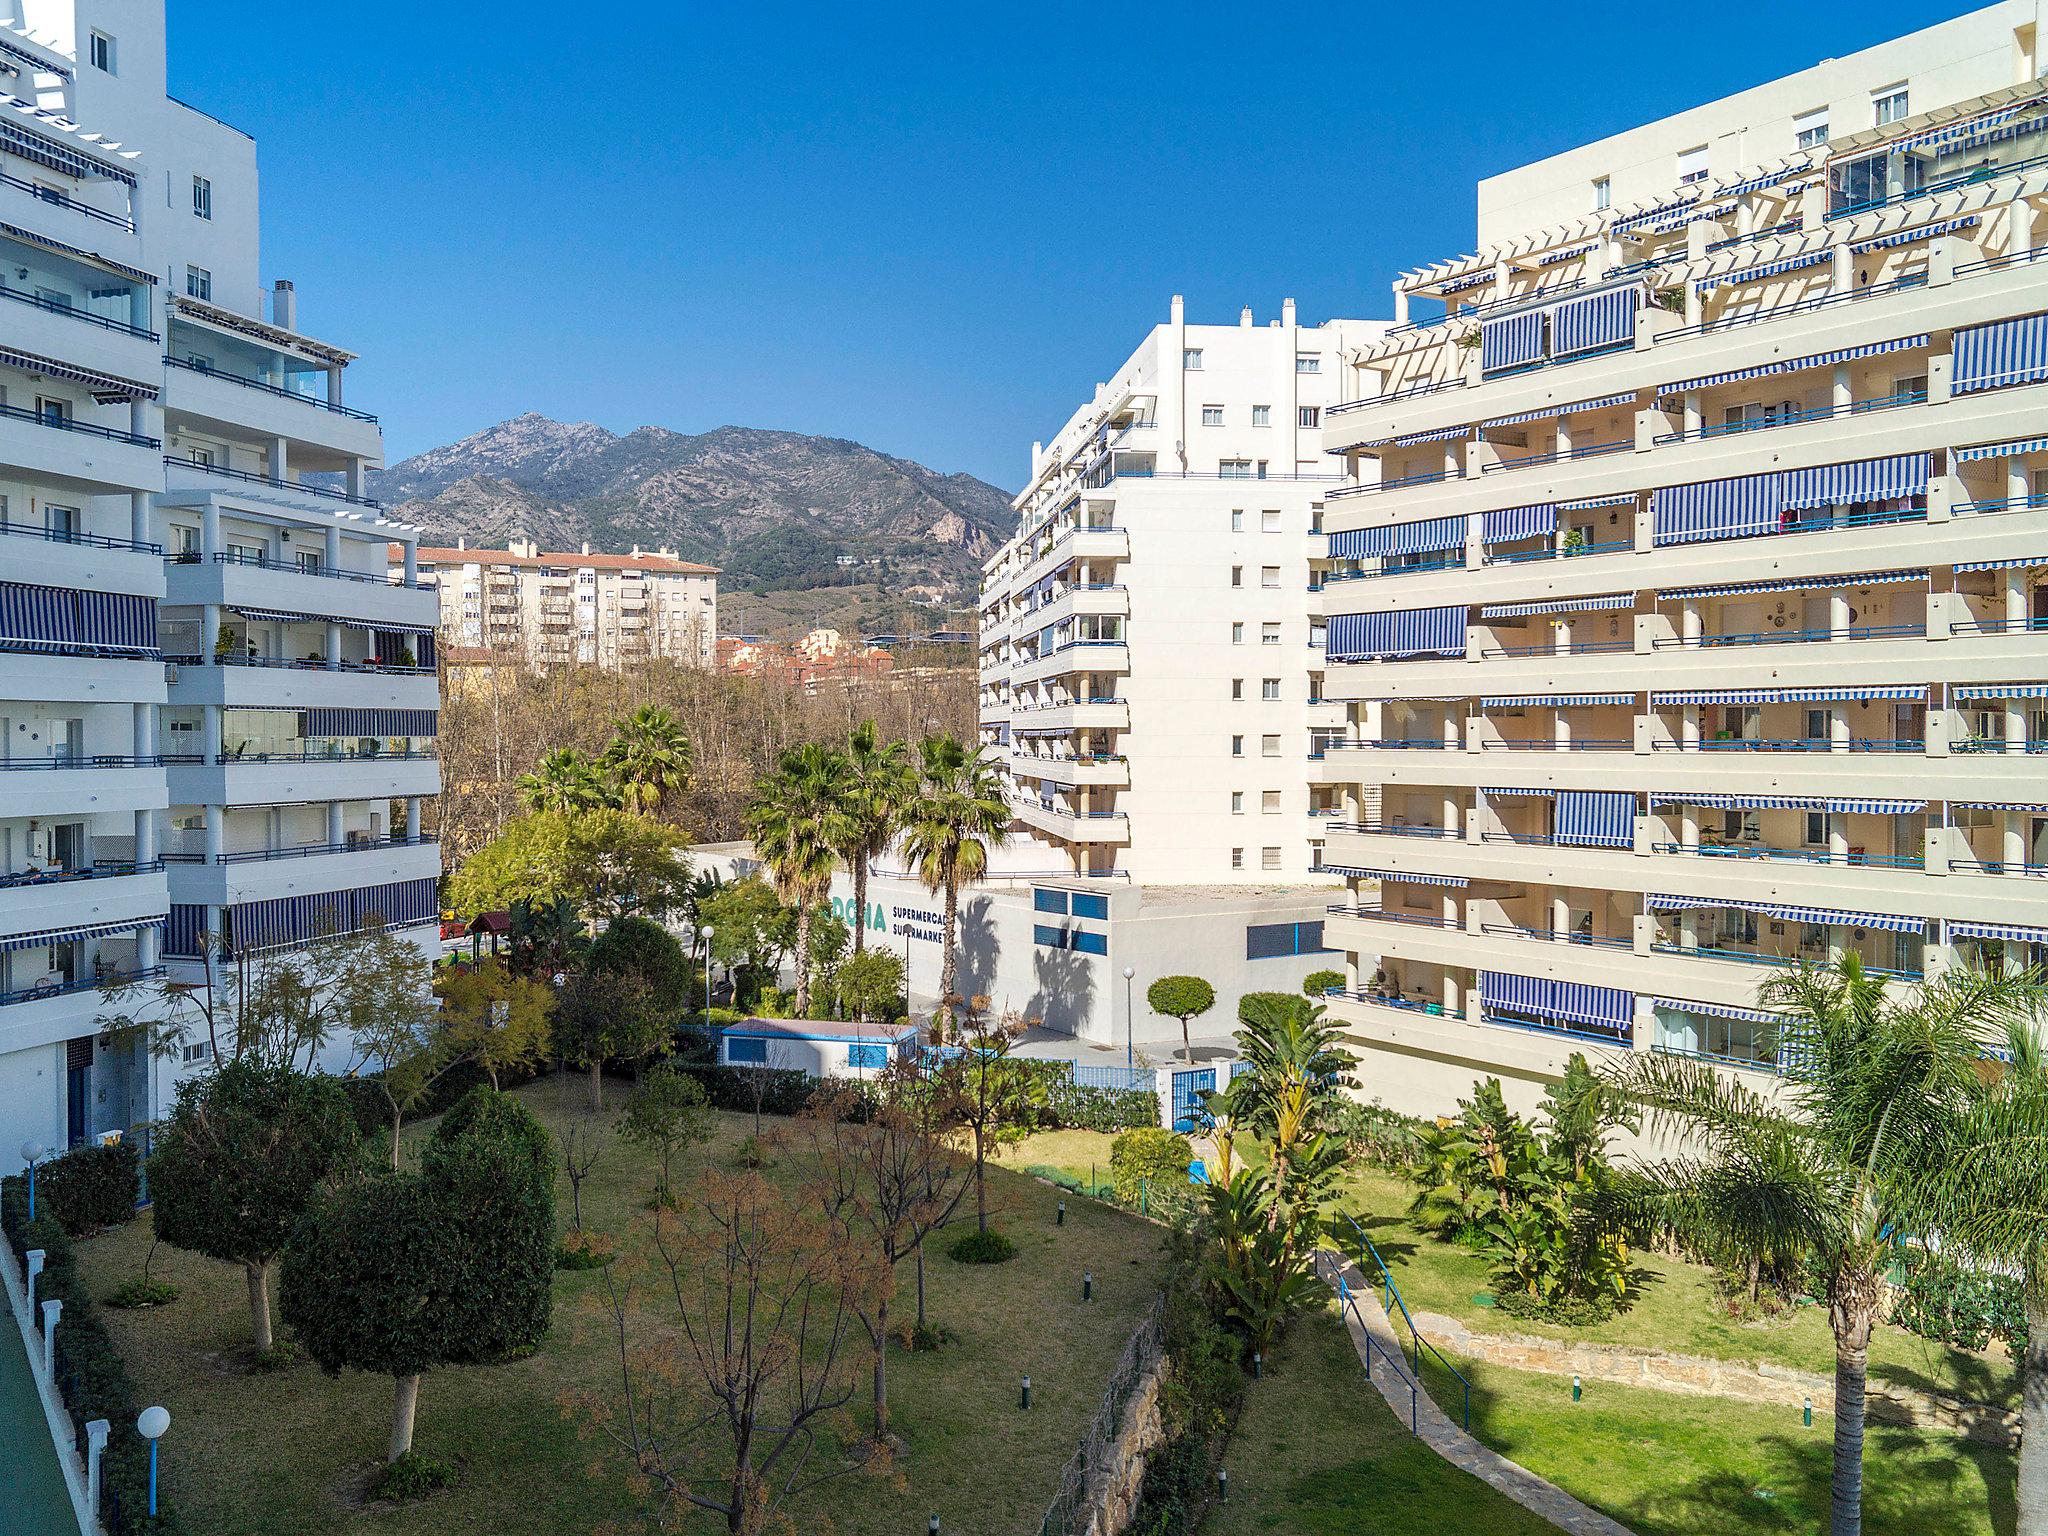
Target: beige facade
{"type": "Point", "coordinates": [576, 605]}
{"type": "Point", "coordinates": [1686, 590]}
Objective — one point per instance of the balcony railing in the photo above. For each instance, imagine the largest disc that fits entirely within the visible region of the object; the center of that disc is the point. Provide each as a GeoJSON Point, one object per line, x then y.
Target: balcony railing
{"type": "Point", "coordinates": [53, 986]}
{"type": "Point", "coordinates": [270, 563]}
{"type": "Point", "coordinates": [1996, 744]}
{"type": "Point", "coordinates": [1753, 957]}
{"type": "Point", "coordinates": [1410, 919]}
{"type": "Point", "coordinates": [2004, 504]}
{"type": "Point", "coordinates": [1793, 744]}
{"type": "Point", "coordinates": [1563, 455]}
{"type": "Point", "coordinates": [1994, 867]}
{"type": "Point", "coordinates": [1797, 307]}
{"type": "Point", "coordinates": [84, 428]}
{"type": "Point", "coordinates": [1999, 263]}
{"type": "Point", "coordinates": [1396, 829]}
{"type": "Point", "coordinates": [1394, 1000]}
{"type": "Point", "coordinates": [1999, 627]}
{"type": "Point", "coordinates": [67, 536]}
{"type": "Point", "coordinates": [59, 200]}
{"type": "Point", "coordinates": [311, 755]}
{"type": "Point", "coordinates": [1853, 856]}
{"type": "Point", "coordinates": [1557, 552]}
{"type": "Point", "coordinates": [268, 388]}
{"type": "Point", "coordinates": [1889, 402]}
{"type": "Point", "coordinates": [1948, 183]}
{"type": "Point", "coordinates": [306, 850]}
{"type": "Point", "coordinates": [326, 492]}
{"type": "Point", "coordinates": [66, 761]}
{"type": "Point", "coordinates": [1411, 392]}
{"type": "Point", "coordinates": [1558, 935]}
{"type": "Point", "coordinates": [1433, 477]}
{"type": "Point", "coordinates": [1590, 648]}
{"type": "Point", "coordinates": [99, 869]}
{"type": "Point", "coordinates": [73, 312]}
{"type": "Point", "coordinates": [291, 664]}
{"type": "Point", "coordinates": [1793, 636]}
{"type": "Point", "coordinates": [1552, 744]}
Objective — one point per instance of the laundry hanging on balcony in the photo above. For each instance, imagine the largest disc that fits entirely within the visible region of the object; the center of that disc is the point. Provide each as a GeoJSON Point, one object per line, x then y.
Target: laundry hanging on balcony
{"type": "Point", "coordinates": [1536, 520]}
{"type": "Point", "coordinates": [1610, 1009]}
{"type": "Point", "coordinates": [1399, 539]}
{"type": "Point", "coordinates": [2004, 352]}
{"type": "Point", "coordinates": [1596, 818]}
{"type": "Point", "coordinates": [1404, 632]}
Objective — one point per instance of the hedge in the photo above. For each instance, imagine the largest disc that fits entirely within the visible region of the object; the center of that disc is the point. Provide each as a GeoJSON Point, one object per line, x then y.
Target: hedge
{"type": "Point", "coordinates": [89, 1367]}
{"type": "Point", "coordinates": [88, 1188]}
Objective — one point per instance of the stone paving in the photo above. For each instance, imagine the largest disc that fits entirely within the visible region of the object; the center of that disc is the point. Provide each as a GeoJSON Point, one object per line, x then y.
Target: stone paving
{"type": "Point", "coordinates": [1437, 1429]}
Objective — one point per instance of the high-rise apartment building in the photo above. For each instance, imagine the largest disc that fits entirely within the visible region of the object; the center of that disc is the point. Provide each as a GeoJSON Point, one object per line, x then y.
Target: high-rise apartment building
{"type": "Point", "coordinates": [218, 706]}
{"type": "Point", "coordinates": [1694, 533]}
{"type": "Point", "coordinates": [567, 606]}
{"type": "Point", "coordinates": [1150, 676]}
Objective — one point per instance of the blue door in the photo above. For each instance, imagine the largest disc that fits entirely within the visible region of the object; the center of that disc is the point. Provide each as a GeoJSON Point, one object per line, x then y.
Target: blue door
{"type": "Point", "coordinates": [1188, 1089]}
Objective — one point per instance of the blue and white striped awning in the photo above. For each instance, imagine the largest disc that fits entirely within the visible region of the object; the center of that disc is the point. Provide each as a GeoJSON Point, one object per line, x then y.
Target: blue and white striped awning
{"type": "Point", "coordinates": [1677, 208]}
{"type": "Point", "coordinates": [369, 722]}
{"type": "Point", "coordinates": [1558, 605]}
{"type": "Point", "coordinates": [1441, 434]}
{"type": "Point", "coordinates": [1976, 128]}
{"type": "Point", "coordinates": [1508, 341]}
{"type": "Point", "coordinates": [1837, 485]}
{"type": "Point", "coordinates": [1543, 411]}
{"type": "Point", "coordinates": [1791, 365]}
{"type": "Point", "coordinates": [44, 936]}
{"type": "Point", "coordinates": [1399, 876]}
{"type": "Point", "coordinates": [2004, 352]}
{"type": "Point", "coordinates": [1837, 806]}
{"type": "Point", "coordinates": [1622, 498]}
{"type": "Point", "coordinates": [1994, 805]}
{"type": "Point", "coordinates": [1404, 632]}
{"type": "Point", "coordinates": [1825, 917]}
{"type": "Point", "coordinates": [35, 617]}
{"type": "Point", "coordinates": [117, 621]}
{"type": "Point", "coordinates": [2007, 450]}
{"type": "Point", "coordinates": [1602, 319]}
{"type": "Point", "coordinates": [1399, 539]}
{"type": "Point", "coordinates": [1596, 818]}
{"type": "Point", "coordinates": [1468, 281]}
{"type": "Point", "coordinates": [1575, 1002]}
{"type": "Point", "coordinates": [1665, 901]}
{"type": "Point", "coordinates": [1767, 269]}
{"type": "Point", "coordinates": [1908, 236]}
{"type": "Point", "coordinates": [1555, 700]}
{"type": "Point", "coordinates": [279, 615]}
{"type": "Point", "coordinates": [1509, 523]}
{"type": "Point", "coordinates": [2004, 691]}
{"type": "Point", "coordinates": [2001, 565]}
{"type": "Point", "coordinates": [1497, 789]}
{"type": "Point", "coordinates": [1557, 257]}
{"type": "Point", "coordinates": [1789, 695]}
{"type": "Point", "coordinates": [1716, 1010]}
{"type": "Point", "coordinates": [1716, 509]}
{"type": "Point", "coordinates": [2019, 933]}
{"type": "Point", "coordinates": [1793, 584]}
{"type": "Point", "coordinates": [1760, 180]}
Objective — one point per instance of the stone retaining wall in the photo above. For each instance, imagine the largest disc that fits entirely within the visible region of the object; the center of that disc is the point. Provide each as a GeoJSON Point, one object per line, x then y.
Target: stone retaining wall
{"type": "Point", "coordinates": [1113, 1499]}
{"type": "Point", "coordinates": [1701, 1376]}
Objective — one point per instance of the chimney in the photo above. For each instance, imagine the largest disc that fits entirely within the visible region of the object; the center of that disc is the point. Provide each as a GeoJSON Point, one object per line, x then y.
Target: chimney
{"type": "Point", "coordinates": [1177, 310]}
{"type": "Point", "coordinates": [1244, 316]}
{"type": "Point", "coordinates": [586, 546]}
{"type": "Point", "coordinates": [1287, 313]}
{"type": "Point", "coordinates": [284, 305]}
{"type": "Point", "coordinates": [462, 541]}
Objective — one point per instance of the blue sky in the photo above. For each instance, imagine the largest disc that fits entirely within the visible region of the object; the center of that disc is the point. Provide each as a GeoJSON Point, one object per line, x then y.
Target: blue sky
{"type": "Point", "coordinates": [927, 229]}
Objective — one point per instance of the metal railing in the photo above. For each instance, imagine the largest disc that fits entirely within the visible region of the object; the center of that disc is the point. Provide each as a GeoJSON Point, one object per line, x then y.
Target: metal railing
{"type": "Point", "coordinates": [325, 492]}
{"type": "Point", "coordinates": [1417, 1343]}
{"type": "Point", "coordinates": [1798, 855]}
{"type": "Point", "coordinates": [314, 850]}
{"type": "Point", "coordinates": [87, 428]}
{"type": "Point", "coordinates": [1994, 867]}
{"type": "Point", "coordinates": [59, 200]}
{"type": "Point", "coordinates": [1556, 552]}
{"type": "Point", "coordinates": [1557, 935]}
{"type": "Point", "coordinates": [67, 536]}
{"type": "Point", "coordinates": [1796, 418]}
{"type": "Point", "coordinates": [304, 664]}
{"type": "Point", "coordinates": [1405, 1004]}
{"type": "Point", "coordinates": [1790, 636]}
{"type": "Point", "coordinates": [1412, 392]}
{"type": "Point", "coordinates": [71, 311]}
{"type": "Point", "coordinates": [207, 371]}
{"type": "Point", "coordinates": [2004, 504]}
{"type": "Point", "coordinates": [1562, 455]}
{"type": "Point", "coordinates": [1382, 915]}
{"type": "Point", "coordinates": [271, 563]}
{"type": "Point", "coordinates": [1797, 307]}
{"type": "Point", "coordinates": [99, 869]}
{"type": "Point", "coordinates": [1999, 627]}
{"type": "Point", "coordinates": [1551, 744]}
{"type": "Point", "coordinates": [1068, 1514]}
{"type": "Point", "coordinates": [1433, 477]}
{"type": "Point", "coordinates": [51, 986]}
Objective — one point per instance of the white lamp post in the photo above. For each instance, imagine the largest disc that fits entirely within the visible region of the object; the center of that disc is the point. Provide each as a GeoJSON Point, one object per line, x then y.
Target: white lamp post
{"type": "Point", "coordinates": [707, 932]}
{"type": "Point", "coordinates": [1130, 1019]}
{"type": "Point", "coordinates": [31, 1153]}
{"type": "Point", "coordinates": [151, 1424]}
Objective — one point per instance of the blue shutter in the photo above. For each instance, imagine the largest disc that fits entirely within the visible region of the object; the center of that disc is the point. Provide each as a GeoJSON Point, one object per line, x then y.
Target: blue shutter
{"type": "Point", "coordinates": [1596, 818]}
{"type": "Point", "coordinates": [1837, 485]}
{"type": "Point", "coordinates": [1597, 320]}
{"type": "Point", "coordinates": [1399, 539]}
{"type": "Point", "coordinates": [1405, 632]}
{"type": "Point", "coordinates": [1537, 519]}
{"type": "Point", "coordinates": [1716, 509]}
{"type": "Point", "coordinates": [1511, 341]}
{"type": "Point", "coordinates": [117, 621]}
{"type": "Point", "coordinates": [2005, 352]}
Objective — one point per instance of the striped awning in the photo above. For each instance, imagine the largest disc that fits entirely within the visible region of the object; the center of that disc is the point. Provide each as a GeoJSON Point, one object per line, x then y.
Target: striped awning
{"type": "Point", "coordinates": [368, 722]}
{"type": "Point", "coordinates": [1399, 539]}
{"type": "Point", "coordinates": [1558, 605]}
{"type": "Point", "coordinates": [1793, 584]}
{"type": "Point", "coordinates": [1542, 411]}
{"type": "Point", "coordinates": [1555, 258]}
{"type": "Point", "coordinates": [1716, 509]}
{"type": "Point", "coordinates": [1623, 498]}
{"type": "Point", "coordinates": [1789, 695]}
{"type": "Point", "coordinates": [280, 616]}
{"type": "Point", "coordinates": [1508, 341]}
{"type": "Point", "coordinates": [1597, 320]}
{"type": "Point", "coordinates": [1469, 281]}
{"type": "Point", "coordinates": [1760, 180]}
{"type": "Point", "coordinates": [1404, 632]}
{"type": "Point", "coordinates": [77, 253]}
{"type": "Point", "coordinates": [1968, 128]}
{"type": "Point", "coordinates": [1399, 876]}
{"type": "Point", "coordinates": [1995, 805]}
{"type": "Point", "coordinates": [2004, 352]}
{"type": "Point", "coordinates": [1908, 236]}
{"type": "Point", "coordinates": [2019, 933]}
{"type": "Point", "coordinates": [1499, 789]}
{"type": "Point", "coordinates": [1791, 365]}
{"type": "Point", "coordinates": [2001, 565]}
{"type": "Point", "coordinates": [2006, 450]}
{"type": "Point", "coordinates": [1596, 818]}
{"type": "Point", "coordinates": [1555, 700]}
{"type": "Point", "coordinates": [1717, 1010]}
{"type": "Point", "coordinates": [16, 138]}
{"type": "Point", "coordinates": [106, 384]}
{"type": "Point", "coordinates": [38, 616]}
{"type": "Point", "coordinates": [1532, 521]}
{"type": "Point", "coordinates": [1825, 917]}
{"type": "Point", "coordinates": [15, 50]}
{"type": "Point", "coordinates": [1682, 206]}
{"type": "Point", "coordinates": [2004, 691]}
{"type": "Point", "coordinates": [44, 936]}
{"type": "Point", "coordinates": [117, 621]}
{"type": "Point", "coordinates": [1767, 269]}
{"type": "Point", "coordinates": [286, 921]}
{"type": "Point", "coordinates": [1832, 804]}
{"type": "Point", "coordinates": [1837, 485]}
{"type": "Point", "coordinates": [1440, 435]}
{"type": "Point", "coordinates": [1574, 1002]}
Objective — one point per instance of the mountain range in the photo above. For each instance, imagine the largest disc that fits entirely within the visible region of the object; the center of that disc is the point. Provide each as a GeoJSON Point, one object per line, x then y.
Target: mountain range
{"type": "Point", "coordinates": [778, 512]}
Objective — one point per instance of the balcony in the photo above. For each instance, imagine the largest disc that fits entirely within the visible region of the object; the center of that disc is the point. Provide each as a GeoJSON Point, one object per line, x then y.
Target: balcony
{"type": "Point", "coordinates": [1891, 402]}
{"type": "Point", "coordinates": [237, 580]}
{"type": "Point", "coordinates": [1106, 656]}
{"type": "Point", "coordinates": [1104, 770]}
{"type": "Point", "coordinates": [1073, 715]}
{"type": "Point", "coordinates": [1073, 826]}
{"type": "Point", "coordinates": [183, 474]}
{"type": "Point", "coordinates": [281, 779]}
{"type": "Point", "coordinates": [278, 682]}
{"type": "Point", "coordinates": [265, 874]}
{"type": "Point", "coordinates": [63, 213]}
{"type": "Point", "coordinates": [79, 455]}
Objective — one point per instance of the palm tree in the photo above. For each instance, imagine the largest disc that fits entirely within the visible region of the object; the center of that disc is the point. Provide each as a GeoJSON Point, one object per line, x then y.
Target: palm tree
{"type": "Point", "coordinates": [1874, 1087]}
{"type": "Point", "coordinates": [798, 822]}
{"type": "Point", "coordinates": [650, 759]}
{"type": "Point", "coordinates": [1989, 1201]}
{"type": "Point", "coordinates": [879, 786]}
{"type": "Point", "coordinates": [959, 807]}
{"type": "Point", "coordinates": [565, 780]}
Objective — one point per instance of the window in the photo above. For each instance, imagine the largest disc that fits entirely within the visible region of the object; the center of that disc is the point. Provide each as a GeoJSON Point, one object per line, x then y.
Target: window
{"type": "Point", "coordinates": [1269, 746]}
{"type": "Point", "coordinates": [1084, 943]}
{"type": "Point", "coordinates": [1269, 577]}
{"type": "Point", "coordinates": [1269, 632]}
{"type": "Point", "coordinates": [746, 1053]}
{"type": "Point", "coordinates": [1888, 105]}
{"type": "Point", "coordinates": [1237, 519]}
{"type": "Point", "coordinates": [1044, 900]}
{"type": "Point", "coordinates": [1047, 937]}
{"type": "Point", "coordinates": [1816, 829]}
{"type": "Point", "coordinates": [1308, 362]}
{"type": "Point", "coordinates": [1269, 521]}
{"type": "Point", "coordinates": [191, 1055]}
{"type": "Point", "coordinates": [1262, 415]}
{"type": "Point", "coordinates": [1309, 417]}
{"type": "Point", "coordinates": [1235, 469]}
{"type": "Point", "coordinates": [1237, 858]}
{"type": "Point", "coordinates": [1237, 802]}
{"type": "Point", "coordinates": [199, 284]}
{"type": "Point", "coordinates": [1237, 687]}
{"type": "Point", "coordinates": [1237, 746]}
{"type": "Point", "coordinates": [1237, 575]}
{"type": "Point", "coordinates": [1269, 858]}
{"type": "Point", "coordinates": [1810, 129]}
{"type": "Point", "coordinates": [102, 53]}
{"type": "Point", "coordinates": [61, 523]}
{"type": "Point", "coordinates": [1603, 193]}
{"type": "Point", "coordinates": [1269, 802]}
{"type": "Point", "coordinates": [1237, 633]}
{"type": "Point", "coordinates": [1692, 165]}
{"type": "Point", "coordinates": [1096, 907]}
{"type": "Point", "coordinates": [1268, 941]}
{"type": "Point", "coordinates": [1269, 688]}
{"type": "Point", "coordinates": [1191, 359]}
{"type": "Point", "coordinates": [202, 197]}
{"type": "Point", "coordinates": [867, 1058]}
{"type": "Point", "coordinates": [1212, 415]}
{"type": "Point", "coordinates": [1817, 724]}
{"type": "Point", "coordinates": [55, 412]}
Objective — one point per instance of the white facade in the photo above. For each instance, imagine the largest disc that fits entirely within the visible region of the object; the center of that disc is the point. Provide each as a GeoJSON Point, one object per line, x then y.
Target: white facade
{"type": "Point", "coordinates": [1695, 620]}
{"type": "Point", "coordinates": [218, 705]}
{"type": "Point", "coordinates": [1150, 675]}
{"type": "Point", "coordinates": [576, 606]}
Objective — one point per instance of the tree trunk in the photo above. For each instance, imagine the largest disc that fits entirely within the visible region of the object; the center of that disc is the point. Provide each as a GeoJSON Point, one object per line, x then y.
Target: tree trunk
{"type": "Point", "coordinates": [596, 1083]}
{"type": "Point", "coordinates": [2033, 1484]}
{"type": "Point", "coordinates": [1852, 1310]}
{"type": "Point", "coordinates": [1187, 1046]}
{"type": "Point", "coordinates": [397, 1124]}
{"type": "Point", "coordinates": [980, 1182]}
{"type": "Point", "coordinates": [803, 958]}
{"type": "Point", "coordinates": [920, 1285]}
{"type": "Point", "coordinates": [860, 902]}
{"type": "Point", "coordinates": [259, 1304]}
{"type": "Point", "coordinates": [404, 1404]}
{"type": "Point", "coordinates": [882, 1367]}
{"type": "Point", "coordinates": [948, 970]}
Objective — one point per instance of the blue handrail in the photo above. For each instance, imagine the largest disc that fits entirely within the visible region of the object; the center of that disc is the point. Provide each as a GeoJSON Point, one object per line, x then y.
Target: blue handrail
{"type": "Point", "coordinates": [1417, 1342]}
{"type": "Point", "coordinates": [1347, 1301]}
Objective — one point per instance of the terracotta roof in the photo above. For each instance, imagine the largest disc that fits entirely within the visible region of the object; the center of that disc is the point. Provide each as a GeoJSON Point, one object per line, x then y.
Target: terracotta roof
{"type": "Point", "coordinates": [570, 557]}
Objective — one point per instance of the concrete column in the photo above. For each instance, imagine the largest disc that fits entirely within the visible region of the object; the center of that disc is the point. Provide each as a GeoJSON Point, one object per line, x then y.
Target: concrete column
{"type": "Point", "coordinates": [1689, 728]}
{"type": "Point", "coordinates": [2012, 827]}
{"type": "Point", "coordinates": [1450, 732]}
{"type": "Point", "coordinates": [1400, 305]}
{"type": "Point", "coordinates": [1838, 729]}
{"type": "Point", "coordinates": [2016, 487]}
{"type": "Point", "coordinates": [412, 818]}
{"type": "Point", "coordinates": [216, 818]}
{"type": "Point", "coordinates": [1688, 827]}
{"type": "Point", "coordinates": [333, 554]}
{"type": "Point", "coordinates": [355, 476]}
{"type": "Point", "coordinates": [1695, 413]}
{"type": "Point", "coordinates": [1691, 622]}
{"type": "Point", "coordinates": [210, 743]}
{"type": "Point", "coordinates": [334, 384]}
{"type": "Point", "coordinates": [1560, 915]}
{"type": "Point", "coordinates": [334, 645]}
{"type": "Point", "coordinates": [209, 630]}
{"type": "Point", "coordinates": [1450, 994]}
{"type": "Point", "coordinates": [1841, 395]}
{"type": "Point", "coordinates": [1838, 840]}
{"type": "Point", "coordinates": [1561, 636]}
{"type": "Point", "coordinates": [2019, 228]}
{"type": "Point", "coordinates": [1451, 812]}
{"type": "Point", "coordinates": [1561, 731]}
{"type": "Point", "coordinates": [1688, 930]}
{"type": "Point", "coordinates": [1838, 943]}
{"type": "Point", "coordinates": [1838, 615]}
{"type": "Point", "coordinates": [280, 460]}
{"type": "Point", "coordinates": [2015, 728]}
{"type": "Point", "coordinates": [1843, 272]}
{"type": "Point", "coordinates": [2015, 585]}
{"type": "Point", "coordinates": [336, 833]}
{"type": "Point", "coordinates": [1564, 437]}
{"type": "Point", "coordinates": [138, 517]}
{"type": "Point", "coordinates": [412, 563]}
{"type": "Point", "coordinates": [96, 1432]}
{"type": "Point", "coordinates": [209, 530]}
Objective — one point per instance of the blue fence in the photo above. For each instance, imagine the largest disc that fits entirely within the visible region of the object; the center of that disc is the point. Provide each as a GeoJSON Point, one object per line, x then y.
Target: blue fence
{"type": "Point", "coordinates": [1392, 1302]}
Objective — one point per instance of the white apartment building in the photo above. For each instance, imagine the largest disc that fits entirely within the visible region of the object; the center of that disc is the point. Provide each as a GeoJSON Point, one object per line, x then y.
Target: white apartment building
{"type": "Point", "coordinates": [1692, 619]}
{"type": "Point", "coordinates": [218, 706]}
{"type": "Point", "coordinates": [1150, 675]}
{"type": "Point", "coordinates": [575, 606]}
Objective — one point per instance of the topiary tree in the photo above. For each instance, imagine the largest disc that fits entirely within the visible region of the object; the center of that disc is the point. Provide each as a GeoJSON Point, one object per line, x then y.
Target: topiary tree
{"type": "Point", "coordinates": [1318, 984]}
{"type": "Point", "coordinates": [642, 948]}
{"type": "Point", "coordinates": [1183, 998]}
{"type": "Point", "coordinates": [243, 1155]}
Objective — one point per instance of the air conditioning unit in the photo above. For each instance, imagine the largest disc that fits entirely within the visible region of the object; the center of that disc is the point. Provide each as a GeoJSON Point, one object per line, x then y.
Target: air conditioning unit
{"type": "Point", "coordinates": [170, 672]}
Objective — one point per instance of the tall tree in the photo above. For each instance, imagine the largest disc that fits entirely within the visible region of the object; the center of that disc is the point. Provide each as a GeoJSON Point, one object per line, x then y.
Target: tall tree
{"type": "Point", "coordinates": [989, 1092]}
{"type": "Point", "coordinates": [649, 761]}
{"type": "Point", "coordinates": [960, 808]}
{"type": "Point", "coordinates": [880, 784]}
{"type": "Point", "coordinates": [1874, 1085]}
{"type": "Point", "coordinates": [494, 1018]}
{"type": "Point", "coordinates": [798, 822]}
{"type": "Point", "coordinates": [604, 863]}
{"type": "Point", "coordinates": [566, 779]}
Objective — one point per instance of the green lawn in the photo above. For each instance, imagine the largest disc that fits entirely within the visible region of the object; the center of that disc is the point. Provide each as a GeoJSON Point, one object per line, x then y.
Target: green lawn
{"type": "Point", "coordinates": [256, 1455]}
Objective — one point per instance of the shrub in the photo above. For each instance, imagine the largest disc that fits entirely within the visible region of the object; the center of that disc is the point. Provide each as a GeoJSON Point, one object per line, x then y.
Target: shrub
{"type": "Point", "coordinates": [136, 1293]}
{"type": "Point", "coordinates": [412, 1476]}
{"type": "Point", "coordinates": [1566, 1311]}
{"type": "Point", "coordinates": [1381, 1136]}
{"type": "Point", "coordinates": [582, 1249]}
{"type": "Point", "coordinates": [989, 1247]}
{"type": "Point", "coordinates": [1152, 1156]}
{"type": "Point", "coordinates": [1318, 983]}
{"type": "Point", "coordinates": [89, 1187]}
{"type": "Point", "coordinates": [1949, 1303]}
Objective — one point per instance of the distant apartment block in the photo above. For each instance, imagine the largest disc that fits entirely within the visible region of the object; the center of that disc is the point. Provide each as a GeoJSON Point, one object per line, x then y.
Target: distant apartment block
{"type": "Point", "coordinates": [576, 606]}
